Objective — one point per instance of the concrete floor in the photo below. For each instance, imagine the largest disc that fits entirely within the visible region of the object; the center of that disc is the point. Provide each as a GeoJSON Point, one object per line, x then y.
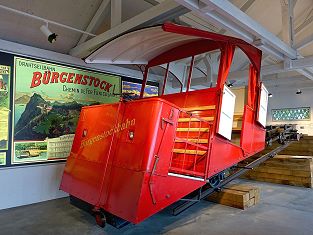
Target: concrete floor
{"type": "Point", "coordinates": [282, 210]}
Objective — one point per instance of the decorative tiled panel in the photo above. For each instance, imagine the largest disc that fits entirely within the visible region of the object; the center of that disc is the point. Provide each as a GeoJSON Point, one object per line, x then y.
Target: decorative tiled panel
{"type": "Point", "coordinates": [291, 114]}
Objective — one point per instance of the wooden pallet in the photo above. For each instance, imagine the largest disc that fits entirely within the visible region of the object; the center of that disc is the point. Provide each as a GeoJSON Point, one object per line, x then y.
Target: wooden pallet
{"type": "Point", "coordinates": [238, 196]}
{"type": "Point", "coordinates": [284, 169]}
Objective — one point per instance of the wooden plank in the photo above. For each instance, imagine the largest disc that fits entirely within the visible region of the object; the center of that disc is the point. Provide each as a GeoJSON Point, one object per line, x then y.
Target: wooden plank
{"type": "Point", "coordinates": [189, 151]}
{"type": "Point", "coordinates": [287, 166]}
{"type": "Point", "coordinates": [278, 176]}
{"type": "Point", "coordinates": [304, 147]}
{"type": "Point", "coordinates": [294, 152]}
{"type": "Point", "coordinates": [237, 117]}
{"type": "Point", "coordinates": [195, 119]}
{"type": "Point", "coordinates": [257, 197]}
{"type": "Point", "coordinates": [293, 157]}
{"type": "Point", "coordinates": [285, 169]}
{"type": "Point", "coordinates": [239, 196]}
{"type": "Point", "coordinates": [244, 188]}
{"type": "Point", "coordinates": [199, 108]}
{"type": "Point", "coordinates": [285, 182]}
{"type": "Point", "coordinates": [296, 181]}
{"type": "Point", "coordinates": [198, 141]}
{"type": "Point", "coordinates": [193, 129]}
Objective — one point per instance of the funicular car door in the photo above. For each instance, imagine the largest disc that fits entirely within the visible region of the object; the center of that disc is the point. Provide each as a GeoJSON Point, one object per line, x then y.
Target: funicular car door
{"type": "Point", "coordinates": [227, 113]}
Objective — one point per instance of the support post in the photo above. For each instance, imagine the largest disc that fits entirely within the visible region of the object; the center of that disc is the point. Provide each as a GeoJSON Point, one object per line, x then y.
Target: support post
{"type": "Point", "coordinates": [288, 22]}
{"type": "Point", "coordinates": [165, 78]}
{"type": "Point", "coordinates": [190, 73]}
{"type": "Point", "coordinates": [144, 81]}
{"type": "Point", "coordinates": [116, 12]}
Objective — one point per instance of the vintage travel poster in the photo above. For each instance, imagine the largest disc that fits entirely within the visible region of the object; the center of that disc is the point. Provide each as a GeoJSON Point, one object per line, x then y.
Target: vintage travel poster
{"type": "Point", "coordinates": [3, 156]}
{"type": "Point", "coordinates": [134, 89]}
{"type": "Point", "coordinates": [47, 102]}
{"type": "Point", "coordinates": [4, 106]}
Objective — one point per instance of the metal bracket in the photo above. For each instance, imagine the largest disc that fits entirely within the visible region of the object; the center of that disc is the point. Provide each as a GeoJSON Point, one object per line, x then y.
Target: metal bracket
{"type": "Point", "coordinates": [150, 179]}
{"type": "Point", "coordinates": [171, 114]}
{"type": "Point", "coordinates": [166, 120]}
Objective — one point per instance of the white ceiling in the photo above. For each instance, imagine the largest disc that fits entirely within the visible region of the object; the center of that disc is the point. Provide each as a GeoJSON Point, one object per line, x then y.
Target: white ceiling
{"type": "Point", "coordinates": [79, 13]}
{"type": "Point", "coordinates": [25, 30]}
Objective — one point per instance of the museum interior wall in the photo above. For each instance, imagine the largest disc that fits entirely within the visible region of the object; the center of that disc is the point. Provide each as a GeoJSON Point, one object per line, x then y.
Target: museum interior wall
{"type": "Point", "coordinates": [288, 107]}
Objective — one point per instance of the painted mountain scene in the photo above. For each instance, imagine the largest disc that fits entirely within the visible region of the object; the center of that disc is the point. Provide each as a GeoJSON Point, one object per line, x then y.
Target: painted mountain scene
{"type": "Point", "coordinates": [39, 119]}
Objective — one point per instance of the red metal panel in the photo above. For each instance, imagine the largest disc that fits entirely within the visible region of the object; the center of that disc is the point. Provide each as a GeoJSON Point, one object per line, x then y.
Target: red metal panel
{"type": "Point", "coordinates": [167, 190]}
{"type": "Point", "coordinates": [258, 138]}
{"type": "Point", "coordinates": [135, 154]}
{"type": "Point", "coordinates": [253, 135]}
{"type": "Point", "coordinates": [223, 155]}
{"type": "Point", "coordinates": [115, 181]}
{"type": "Point", "coordinates": [124, 187]}
{"type": "Point", "coordinates": [246, 140]}
{"type": "Point", "coordinates": [134, 158]}
{"type": "Point", "coordinates": [193, 98]}
{"type": "Point", "coordinates": [87, 164]}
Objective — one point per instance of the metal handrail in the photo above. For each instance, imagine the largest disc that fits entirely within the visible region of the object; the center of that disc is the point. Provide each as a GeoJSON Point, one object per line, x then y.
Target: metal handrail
{"type": "Point", "coordinates": [193, 116]}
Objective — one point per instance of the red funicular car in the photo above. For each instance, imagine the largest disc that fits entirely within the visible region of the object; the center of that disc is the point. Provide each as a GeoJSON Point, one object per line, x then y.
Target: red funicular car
{"type": "Point", "coordinates": [133, 158]}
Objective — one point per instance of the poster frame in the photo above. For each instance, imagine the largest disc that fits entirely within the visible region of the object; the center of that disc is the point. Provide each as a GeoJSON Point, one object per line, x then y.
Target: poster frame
{"type": "Point", "coordinates": [7, 59]}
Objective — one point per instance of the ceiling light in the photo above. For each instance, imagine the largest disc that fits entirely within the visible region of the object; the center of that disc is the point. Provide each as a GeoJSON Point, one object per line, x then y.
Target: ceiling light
{"type": "Point", "coordinates": [270, 95]}
{"type": "Point", "coordinates": [52, 37]}
{"type": "Point", "coordinates": [299, 92]}
{"type": "Point", "coordinates": [230, 84]}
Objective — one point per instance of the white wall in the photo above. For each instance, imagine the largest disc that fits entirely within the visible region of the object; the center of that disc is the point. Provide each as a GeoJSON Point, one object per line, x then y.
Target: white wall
{"type": "Point", "coordinates": [36, 183]}
{"type": "Point", "coordinates": [241, 96]}
{"type": "Point", "coordinates": [30, 184]}
{"type": "Point", "coordinates": [288, 99]}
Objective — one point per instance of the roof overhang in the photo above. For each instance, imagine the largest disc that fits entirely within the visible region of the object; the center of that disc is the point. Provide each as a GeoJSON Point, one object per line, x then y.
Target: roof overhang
{"type": "Point", "coordinates": [138, 47]}
{"type": "Point", "coordinates": [143, 45]}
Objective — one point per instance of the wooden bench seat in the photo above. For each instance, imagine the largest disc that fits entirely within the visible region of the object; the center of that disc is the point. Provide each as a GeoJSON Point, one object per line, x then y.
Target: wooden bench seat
{"type": "Point", "coordinates": [195, 119]}
{"type": "Point", "coordinates": [192, 129]}
{"type": "Point", "coordinates": [237, 122]}
{"type": "Point", "coordinates": [199, 108]}
{"type": "Point", "coordinates": [198, 141]}
{"type": "Point", "coordinates": [189, 151]}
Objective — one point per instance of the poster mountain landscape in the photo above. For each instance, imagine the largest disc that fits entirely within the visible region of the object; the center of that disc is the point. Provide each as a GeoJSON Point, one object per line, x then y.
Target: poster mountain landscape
{"type": "Point", "coordinates": [42, 119]}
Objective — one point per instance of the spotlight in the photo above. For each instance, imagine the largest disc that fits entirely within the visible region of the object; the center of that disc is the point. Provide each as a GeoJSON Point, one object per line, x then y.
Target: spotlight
{"type": "Point", "coordinates": [230, 84]}
{"type": "Point", "coordinates": [270, 95]}
{"type": "Point", "coordinates": [299, 92]}
{"type": "Point", "coordinates": [52, 37]}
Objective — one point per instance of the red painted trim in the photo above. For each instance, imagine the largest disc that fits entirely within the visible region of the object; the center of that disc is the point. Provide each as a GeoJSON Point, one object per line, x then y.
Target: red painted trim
{"type": "Point", "coordinates": [253, 53]}
{"type": "Point", "coordinates": [193, 48]}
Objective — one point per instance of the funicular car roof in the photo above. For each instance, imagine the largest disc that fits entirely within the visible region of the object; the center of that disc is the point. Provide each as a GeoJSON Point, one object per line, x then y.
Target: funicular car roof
{"type": "Point", "coordinates": [145, 45]}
